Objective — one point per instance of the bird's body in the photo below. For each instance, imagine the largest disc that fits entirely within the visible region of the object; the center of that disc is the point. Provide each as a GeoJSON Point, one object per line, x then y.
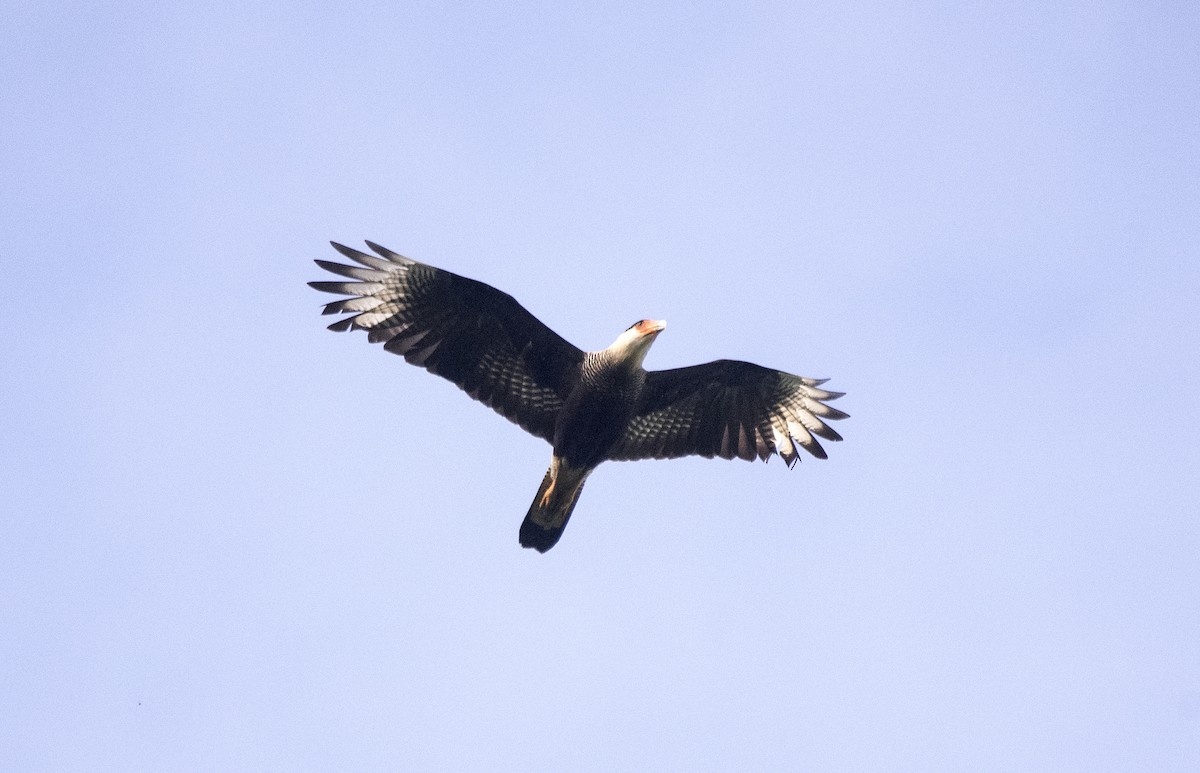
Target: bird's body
{"type": "Point", "coordinates": [591, 406]}
{"type": "Point", "coordinates": [593, 419]}
{"type": "Point", "coordinates": [598, 408]}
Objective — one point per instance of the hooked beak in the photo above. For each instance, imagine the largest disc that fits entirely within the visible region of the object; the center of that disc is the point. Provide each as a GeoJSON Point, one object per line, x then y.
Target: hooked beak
{"type": "Point", "coordinates": [652, 326]}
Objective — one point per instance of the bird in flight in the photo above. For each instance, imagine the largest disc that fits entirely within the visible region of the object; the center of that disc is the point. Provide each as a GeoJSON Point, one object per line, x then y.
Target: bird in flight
{"type": "Point", "coordinates": [590, 406]}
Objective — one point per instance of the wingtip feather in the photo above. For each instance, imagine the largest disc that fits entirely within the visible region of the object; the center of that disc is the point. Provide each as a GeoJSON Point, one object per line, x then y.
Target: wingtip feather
{"type": "Point", "coordinates": [338, 288]}
{"type": "Point", "coordinates": [349, 252]}
{"type": "Point", "coordinates": [395, 257]}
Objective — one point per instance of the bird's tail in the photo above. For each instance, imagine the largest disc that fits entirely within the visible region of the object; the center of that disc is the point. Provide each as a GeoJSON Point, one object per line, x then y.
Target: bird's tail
{"type": "Point", "coordinates": [551, 508]}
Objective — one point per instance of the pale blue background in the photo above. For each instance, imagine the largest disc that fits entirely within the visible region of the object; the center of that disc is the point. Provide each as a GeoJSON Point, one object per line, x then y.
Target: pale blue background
{"type": "Point", "coordinates": [232, 540]}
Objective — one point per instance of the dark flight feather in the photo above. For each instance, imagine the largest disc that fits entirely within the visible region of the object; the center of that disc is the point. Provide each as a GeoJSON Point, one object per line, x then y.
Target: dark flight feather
{"type": "Point", "coordinates": [729, 409]}
{"type": "Point", "coordinates": [462, 330]}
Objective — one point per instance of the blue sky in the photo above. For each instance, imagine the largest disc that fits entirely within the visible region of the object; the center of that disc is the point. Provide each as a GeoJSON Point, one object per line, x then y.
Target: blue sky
{"type": "Point", "coordinates": [236, 541]}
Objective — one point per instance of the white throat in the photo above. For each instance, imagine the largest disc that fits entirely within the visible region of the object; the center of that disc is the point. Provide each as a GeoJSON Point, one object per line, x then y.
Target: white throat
{"type": "Point", "coordinates": [632, 346]}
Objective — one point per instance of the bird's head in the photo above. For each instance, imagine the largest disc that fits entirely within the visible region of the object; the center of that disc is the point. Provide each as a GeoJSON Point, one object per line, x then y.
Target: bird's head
{"type": "Point", "coordinates": [632, 345]}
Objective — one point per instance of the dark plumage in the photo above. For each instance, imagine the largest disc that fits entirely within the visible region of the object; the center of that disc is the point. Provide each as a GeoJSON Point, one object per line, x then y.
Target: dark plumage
{"type": "Point", "coordinates": [591, 406]}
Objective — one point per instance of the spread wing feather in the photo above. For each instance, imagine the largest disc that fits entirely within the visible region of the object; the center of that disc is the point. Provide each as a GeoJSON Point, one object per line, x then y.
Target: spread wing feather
{"type": "Point", "coordinates": [462, 330]}
{"type": "Point", "coordinates": [729, 409]}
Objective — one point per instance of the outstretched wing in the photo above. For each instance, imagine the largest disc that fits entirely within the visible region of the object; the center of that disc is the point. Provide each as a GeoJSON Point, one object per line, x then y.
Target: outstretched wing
{"type": "Point", "coordinates": [460, 329]}
{"type": "Point", "coordinates": [728, 409]}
